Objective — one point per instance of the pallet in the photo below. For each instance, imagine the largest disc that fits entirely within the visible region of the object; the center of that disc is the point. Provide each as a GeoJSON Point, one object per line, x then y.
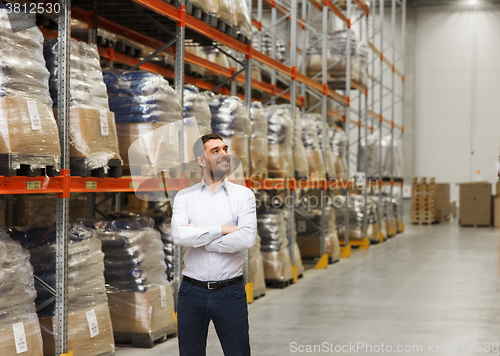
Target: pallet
{"type": "Point", "coordinates": [79, 167]}
{"type": "Point", "coordinates": [128, 48]}
{"type": "Point", "coordinates": [9, 161]}
{"type": "Point", "coordinates": [274, 283]}
{"type": "Point", "coordinates": [359, 244]}
{"type": "Point", "coordinates": [255, 297]}
{"type": "Point", "coordinates": [142, 340]}
{"type": "Point", "coordinates": [425, 222]}
{"type": "Point", "coordinates": [475, 225]}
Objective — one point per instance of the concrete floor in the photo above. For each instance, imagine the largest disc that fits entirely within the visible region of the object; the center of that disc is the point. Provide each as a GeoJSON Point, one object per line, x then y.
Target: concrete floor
{"type": "Point", "coordinates": [431, 287]}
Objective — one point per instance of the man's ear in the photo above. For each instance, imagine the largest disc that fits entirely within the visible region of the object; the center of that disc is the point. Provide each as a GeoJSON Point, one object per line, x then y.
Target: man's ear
{"type": "Point", "coordinates": [201, 161]}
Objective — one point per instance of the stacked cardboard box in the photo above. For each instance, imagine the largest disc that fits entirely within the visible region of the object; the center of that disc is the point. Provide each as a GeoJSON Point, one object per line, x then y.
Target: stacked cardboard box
{"type": "Point", "coordinates": [475, 204]}
{"type": "Point", "coordinates": [430, 201]}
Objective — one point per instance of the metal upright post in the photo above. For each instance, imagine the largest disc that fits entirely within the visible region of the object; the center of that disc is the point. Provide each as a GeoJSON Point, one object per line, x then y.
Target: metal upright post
{"type": "Point", "coordinates": [365, 152]}
{"type": "Point", "coordinates": [259, 20]}
{"type": "Point", "coordinates": [324, 114]}
{"type": "Point", "coordinates": [62, 228]}
{"type": "Point", "coordinates": [248, 105]}
{"type": "Point", "coordinates": [393, 89]}
{"type": "Point", "coordinates": [293, 95]}
{"type": "Point", "coordinates": [233, 82]}
{"type": "Point", "coordinates": [274, 37]}
{"type": "Point", "coordinates": [179, 88]}
{"type": "Point", "coordinates": [304, 51]}
{"type": "Point", "coordinates": [381, 106]}
{"type": "Point", "coordinates": [403, 58]}
{"type": "Point", "coordinates": [347, 114]}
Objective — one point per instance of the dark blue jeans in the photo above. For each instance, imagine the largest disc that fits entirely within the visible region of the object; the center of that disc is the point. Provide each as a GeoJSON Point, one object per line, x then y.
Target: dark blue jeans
{"type": "Point", "coordinates": [226, 307]}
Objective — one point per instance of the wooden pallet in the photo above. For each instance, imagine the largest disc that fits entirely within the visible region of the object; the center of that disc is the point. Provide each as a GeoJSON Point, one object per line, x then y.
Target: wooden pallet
{"type": "Point", "coordinates": [9, 165]}
{"type": "Point", "coordinates": [255, 297]}
{"type": "Point", "coordinates": [475, 225]}
{"type": "Point", "coordinates": [80, 167]}
{"type": "Point", "coordinates": [424, 222]}
{"type": "Point", "coordinates": [275, 283]}
{"type": "Point", "coordinates": [359, 244]}
{"type": "Point", "coordinates": [143, 340]}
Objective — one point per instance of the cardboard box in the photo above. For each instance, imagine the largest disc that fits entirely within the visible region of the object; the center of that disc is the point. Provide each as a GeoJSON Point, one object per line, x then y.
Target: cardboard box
{"type": "Point", "coordinates": [442, 202]}
{"type": "Point", "coordinates": [475, 204]}
{"type": "Point", "coordinates": [88, 140]}
{"type": "Point", "coordinates": [33, 340]}
{"type": "Point", "coordinates": [152, 147]}
{"type": "Point", "coordinates": [496, 211]}
{"type": "Point", "coordinates": [142, 313]}
{"type": "Point", "coordinates": [79, 333]}
{"type": "Point", "coordinates": [29, 131]}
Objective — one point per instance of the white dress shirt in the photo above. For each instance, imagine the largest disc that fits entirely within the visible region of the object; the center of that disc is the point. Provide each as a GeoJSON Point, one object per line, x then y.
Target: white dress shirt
{"type": "Point", "coordinates": [209, 255]}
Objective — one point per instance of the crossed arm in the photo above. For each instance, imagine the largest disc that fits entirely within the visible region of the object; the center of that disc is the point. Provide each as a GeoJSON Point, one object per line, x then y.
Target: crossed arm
{"type": "Point", "coordinates": [217, 238]}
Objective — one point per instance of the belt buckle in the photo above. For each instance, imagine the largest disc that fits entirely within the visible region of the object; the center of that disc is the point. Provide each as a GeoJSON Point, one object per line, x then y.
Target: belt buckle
{"type": "Point", "coordinates": [212, 283]}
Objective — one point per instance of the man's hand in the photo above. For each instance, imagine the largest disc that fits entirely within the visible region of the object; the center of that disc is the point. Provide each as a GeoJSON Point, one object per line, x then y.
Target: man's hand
{"type": "Point", "coordinates": [228, 229]}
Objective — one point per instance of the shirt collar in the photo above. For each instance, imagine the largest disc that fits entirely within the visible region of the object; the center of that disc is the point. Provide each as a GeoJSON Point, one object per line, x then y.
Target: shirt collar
{"type": "Point", "coordinates": [225, 184]}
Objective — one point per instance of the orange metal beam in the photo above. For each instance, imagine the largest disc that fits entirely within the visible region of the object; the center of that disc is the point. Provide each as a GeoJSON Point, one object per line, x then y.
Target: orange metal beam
{"type": "Point", "coordinates": [31, 185]}
{"type": "Point", "coordinates": [363, 7]}
{"type": "Point", "coordinates": [385, 60]}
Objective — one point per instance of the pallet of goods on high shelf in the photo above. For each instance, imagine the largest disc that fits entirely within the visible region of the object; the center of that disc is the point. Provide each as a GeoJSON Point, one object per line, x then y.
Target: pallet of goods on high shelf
{"type": "Point", "coordinates": [430, 201]}
{"type": "Point", "coordinates": [314, 120]}
{"type": "Point", "coordinates": [148, 119]}
{"type": "Point", "coordinates": [338, 145]}
{"type": "Point", "coordinates": [373, 225]}
{"type": "Point", "coordinates": [258, 142]}
{"type": "Point", "coordinates": [230, 120]}
{"type": "Point", "coordinates": [281, 138]}
{"type": "Point", "coordinates": [256, 267]}
{"type": "Point", "coordinates": [390, 166]}
{"type": "Point", "coordinates": [336, 60]}
{"type": "Point", "coordinates": [274, 247]}
{"type": "Point", "coordinates": [197, 122]}
{"type": "Point", "coordinates": [139, 294]}
{"type": "Point", "coordinates": [19, 326]}
{"type": "Point", "coordinates": [29, 144]}
{"type": "Point", "coordinates": [93, 139]}
{"type": "Point", "coordinates": [89, 323]}
{"type": "Point", "coordinates": [357, 238]}
{"type": "Point", "coordinates": [308, 224]}
{"type": "Point", "coordinates": [310, 139]}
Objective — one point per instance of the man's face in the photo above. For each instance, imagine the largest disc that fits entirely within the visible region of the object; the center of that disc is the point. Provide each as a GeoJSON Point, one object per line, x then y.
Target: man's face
{"type": "Point", "coordinates": [219, 161]}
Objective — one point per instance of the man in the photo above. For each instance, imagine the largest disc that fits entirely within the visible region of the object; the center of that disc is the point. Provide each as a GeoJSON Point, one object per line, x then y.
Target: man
{"type": "Point", "coordinates": [216, 221]}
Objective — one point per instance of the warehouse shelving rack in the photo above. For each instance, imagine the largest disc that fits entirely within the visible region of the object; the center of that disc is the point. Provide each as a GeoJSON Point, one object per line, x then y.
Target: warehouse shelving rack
{"type": "Point", "coordinates": [182, 24]}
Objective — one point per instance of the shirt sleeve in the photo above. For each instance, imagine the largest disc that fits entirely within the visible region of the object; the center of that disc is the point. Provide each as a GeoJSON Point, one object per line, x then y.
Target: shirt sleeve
{"type": "Point", "coordinates": [190, 236]}
{"type": "Point", "coordinates": [244, 238]}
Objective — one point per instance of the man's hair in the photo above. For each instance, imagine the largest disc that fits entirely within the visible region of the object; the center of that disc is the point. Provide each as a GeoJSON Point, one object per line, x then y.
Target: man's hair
{"type": "Point", "coordinates": [199, 145]}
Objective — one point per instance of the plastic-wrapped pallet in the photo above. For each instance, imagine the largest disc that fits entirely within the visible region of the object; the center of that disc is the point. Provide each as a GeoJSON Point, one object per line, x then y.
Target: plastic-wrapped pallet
{"type": "Point", "coordinates": [231, 121]}
{"type": "Point", "coordinates": [17, 301]}
{"type": "Point", "coordinates": [215, 56]}
{"type": "Point", "coordinates": [163, 225]}
{"type": "Point", "coordinates": [89, 323]}
{"type": "Point", "coordinates": [301, 165]}
{"type": "Point", "coordinates": [274, 245]}
{"type": "Point", "coordinates": [258, 141]}
{"type": "Point", "coordinates": [338, 144]}
{"type": "Point", "coordinates": [382, 217]}
{"type": "Point", "coordinates": [337, 49]}
{"type": "Point", "coordinates": [390, 219]}
{"type": "Point", "coordinates": [92, 126]}
{"type": "Point", "coordinates": [256, 263]}
{"type": "Point", "coordinates": [139, 294]}
{"type": "Point", "coordinates": [297, 258]}
{"type": "Point", "coordinates": [148, 120]}
{"type": "Point", "coordinates": [372, 227]}
{"type": "Point", "coordinates": [241, 18]}
{"type": "Point", "coordinates": [362, 50]}
{"type": "Point", "coordinates": [195, 70]}
{"type": "Point", "coordinates": [267, 45]}
{"type": "Point", "coordinates": [396, 167]}
{"type": "Point", "coordinates": [198, 122]}
{"type": "Point", "coordinates": [397, 219]}
{"type": "Point", "coordinates": [312, 146]}
{"type": "Point", "coordinates": [310, 247]}
{"type": "Point", "coordinates": [315, 120]}
{"type": "Point", "coordinates": [356, 203]}
{"type": "Point", "coordinates": [280, 140]}
{"type": "Point", "coordinates": [372, 167]}
{"type": "Point", "coordinates": [28, 130]}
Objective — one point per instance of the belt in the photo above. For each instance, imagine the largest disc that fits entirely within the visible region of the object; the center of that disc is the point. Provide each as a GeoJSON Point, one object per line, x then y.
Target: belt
{"type": "Point", "coordinates": [214, 285]}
